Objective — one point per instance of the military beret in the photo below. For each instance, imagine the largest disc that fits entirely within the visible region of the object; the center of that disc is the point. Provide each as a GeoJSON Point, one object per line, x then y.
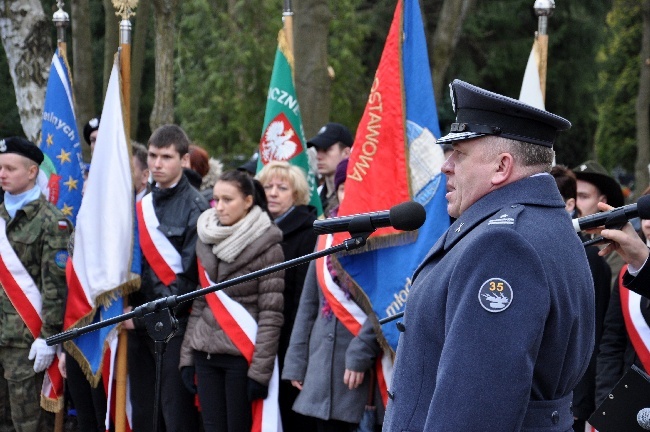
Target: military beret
{"type": "Point", "coordinates": [90, 127]}
{"type": "Point", "coordinates": [329, 135]}
{"type": "Point", "coordinates": [594, 173]}
{"type": "Point", "coordinates": [480, 112]}
{"type": "Point", "coordinates": [22, 147]}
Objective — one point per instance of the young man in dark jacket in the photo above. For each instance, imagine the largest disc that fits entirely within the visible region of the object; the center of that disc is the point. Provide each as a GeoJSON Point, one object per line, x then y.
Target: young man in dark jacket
{"type": "Point", "coordinates": [167, 229]}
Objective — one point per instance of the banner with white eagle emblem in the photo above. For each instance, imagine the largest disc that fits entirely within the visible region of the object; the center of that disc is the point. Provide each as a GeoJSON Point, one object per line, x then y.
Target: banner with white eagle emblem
{"type": "Point", "coordinates": [283, 137]}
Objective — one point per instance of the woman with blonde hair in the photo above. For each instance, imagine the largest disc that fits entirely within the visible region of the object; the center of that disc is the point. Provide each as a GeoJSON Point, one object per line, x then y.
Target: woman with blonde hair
{"type": "Point", "coordinates": [287, 193]}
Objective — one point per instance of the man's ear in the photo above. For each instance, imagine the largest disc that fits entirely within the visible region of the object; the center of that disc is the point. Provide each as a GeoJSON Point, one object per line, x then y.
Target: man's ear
{"type": "Point", "coordinates": [346, 152]}
{"type": "Point", "coordinates": [504, 169]}
{"type": "Point", "coordinates": [185, 161]}
{"type": "Point", "coordinates": [570, 205]}
{"type": "Point", "coordinates": [32, 172]}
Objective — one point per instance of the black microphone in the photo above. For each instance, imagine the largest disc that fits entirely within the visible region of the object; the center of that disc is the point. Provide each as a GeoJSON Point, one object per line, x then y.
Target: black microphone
{"type": "Point", "coordinates": [615, 218]}
{"type": "Point", "coordinates": [407, 216]}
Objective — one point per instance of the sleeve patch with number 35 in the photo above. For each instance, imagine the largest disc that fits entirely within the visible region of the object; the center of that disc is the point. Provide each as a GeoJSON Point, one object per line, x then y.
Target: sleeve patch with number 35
{"type": "Point", "coordinates": [495, 295]}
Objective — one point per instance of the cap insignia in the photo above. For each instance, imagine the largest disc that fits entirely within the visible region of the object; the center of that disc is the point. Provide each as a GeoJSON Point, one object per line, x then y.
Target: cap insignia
{"type": "Point", "coordinates": [3, 146]}
{"type": "Point", "coordinates": [94, 122]}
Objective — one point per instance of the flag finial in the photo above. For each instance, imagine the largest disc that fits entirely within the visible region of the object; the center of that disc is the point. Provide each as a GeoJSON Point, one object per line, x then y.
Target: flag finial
{"type": "Point", "coordinates": [125, 8]}
{"type": "Point", "coordinates": [61, 20]}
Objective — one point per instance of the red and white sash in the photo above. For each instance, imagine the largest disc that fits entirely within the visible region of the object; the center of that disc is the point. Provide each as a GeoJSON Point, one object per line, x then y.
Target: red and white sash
{"type": "Point", "coordinates": [26, 298]}
{"type": "Point", "coordinates": [350, 314]}
{"type": "Point", "coordinates": [161, 255]}
{"type": "Point", "coordinates": [636, 325]}
{"type": "Point", "coordinates": [241, 329]}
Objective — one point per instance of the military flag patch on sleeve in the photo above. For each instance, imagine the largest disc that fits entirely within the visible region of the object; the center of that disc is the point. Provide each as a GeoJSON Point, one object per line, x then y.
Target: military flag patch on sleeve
{"type": "Point", "coordinates": [495, 295]}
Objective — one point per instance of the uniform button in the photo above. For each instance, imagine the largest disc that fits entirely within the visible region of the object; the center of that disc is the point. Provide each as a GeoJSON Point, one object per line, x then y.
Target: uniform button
{"type": "Point", "coordinates": [555, 417]}
{"type": "Point", "coordinates": [330, 337]}
{"type": "Point", "coordinates": [400, 326]}
{"type": "Point", "coordinates": [169, 233]}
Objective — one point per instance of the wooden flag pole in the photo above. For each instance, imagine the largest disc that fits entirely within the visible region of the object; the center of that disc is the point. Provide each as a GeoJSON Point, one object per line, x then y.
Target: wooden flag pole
{"type": "Point", "coordinates": [287, 20]}
{"type": "Point", "coordinates": [543, 10]}
{"type": "Point", "coordinates": [125, 10]}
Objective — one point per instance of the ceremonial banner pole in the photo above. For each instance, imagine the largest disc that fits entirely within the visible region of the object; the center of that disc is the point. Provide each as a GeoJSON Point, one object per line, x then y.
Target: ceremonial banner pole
{"type": "Point", "coordinates": [287, 20]}
{"type": "Point", "coordinates": [125, 10]}
{"type": "Point", "coordinates": [543, 10]}
{"type": "Point", "coordinates": [61, 20]}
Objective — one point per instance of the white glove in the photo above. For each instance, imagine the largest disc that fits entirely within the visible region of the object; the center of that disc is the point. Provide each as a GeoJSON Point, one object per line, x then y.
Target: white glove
{"type": "Point", "coordinates": [42, 353]}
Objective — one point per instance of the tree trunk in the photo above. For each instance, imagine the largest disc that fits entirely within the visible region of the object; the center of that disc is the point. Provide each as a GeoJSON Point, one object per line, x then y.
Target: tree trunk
{"type": "Point", "coordinates": [82, 69]}
{"type": "Point", "coordinates": [111, 40]}
{"type": "Point", "coordinates": [445, 39]}
{"type": "Point", "coordinates": [137, 60]}
{"type": "Point", "coordinates": [643, 106]}
{"type": "Point", "coordinates": [26, 38]}
{"type": "Point", "coordinates": [313, 83]}
{"type": "Point", "coordinates": [165, 25]}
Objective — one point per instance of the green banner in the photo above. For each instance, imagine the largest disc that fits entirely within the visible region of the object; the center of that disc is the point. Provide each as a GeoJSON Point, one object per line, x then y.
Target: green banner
{"type": "Point", "coordinates": [283, 137]}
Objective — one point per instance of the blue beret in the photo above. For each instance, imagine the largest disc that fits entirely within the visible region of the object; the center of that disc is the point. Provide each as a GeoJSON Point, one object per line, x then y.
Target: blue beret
{"type": "Point", "coordinates": [480, 112]}
{"type": "Point", "coordinates": [22, 147]}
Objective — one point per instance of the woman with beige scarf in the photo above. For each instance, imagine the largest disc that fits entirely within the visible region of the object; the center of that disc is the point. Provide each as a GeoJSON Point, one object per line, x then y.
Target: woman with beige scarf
{"type": "Point", "coordinates": [236, 237]}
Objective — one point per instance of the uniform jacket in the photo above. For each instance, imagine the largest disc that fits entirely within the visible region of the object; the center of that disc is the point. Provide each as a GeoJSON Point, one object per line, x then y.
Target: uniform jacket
{"type": "Point", "coordinates": [298, 239]}
{"type": "Point", "coordinates": [319, 352]}
{"type": "Point", "coordinates": [41, 245]}
{"type": "Point", "coordinates": [262, 298]}
{"type": "Point", "coordinates": [470, 359]}
{"type": "Point", "coordinates": [616, 354]}
{"type": "Point", "coordinates": [177, 210]}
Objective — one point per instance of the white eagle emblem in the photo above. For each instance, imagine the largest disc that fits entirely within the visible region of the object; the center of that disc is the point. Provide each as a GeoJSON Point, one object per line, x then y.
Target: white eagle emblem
{"type": "Point", "coordinates": [280, 141]}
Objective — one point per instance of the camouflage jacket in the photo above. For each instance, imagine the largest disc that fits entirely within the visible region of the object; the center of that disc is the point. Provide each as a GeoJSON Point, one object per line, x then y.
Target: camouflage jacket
{"type": "Point", "coordinates": [40, 242]}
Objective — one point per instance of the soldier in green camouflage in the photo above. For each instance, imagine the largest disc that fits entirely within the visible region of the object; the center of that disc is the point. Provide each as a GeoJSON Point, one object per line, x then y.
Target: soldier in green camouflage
{"type": "Point", "coordinates": [38, 233]}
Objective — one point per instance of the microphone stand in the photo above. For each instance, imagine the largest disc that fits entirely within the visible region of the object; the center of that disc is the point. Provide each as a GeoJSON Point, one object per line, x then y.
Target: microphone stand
{"type": "Point", "coordinates": [158, 315]}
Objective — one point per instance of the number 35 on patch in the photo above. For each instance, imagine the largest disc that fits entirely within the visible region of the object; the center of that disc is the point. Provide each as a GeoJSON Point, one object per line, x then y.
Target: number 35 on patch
{"type": "Point", "coordinates": [495, 295]}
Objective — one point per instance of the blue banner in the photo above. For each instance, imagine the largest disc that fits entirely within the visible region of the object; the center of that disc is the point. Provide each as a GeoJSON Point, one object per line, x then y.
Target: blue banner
{"type": "Point", "coordinates": [61, 173]}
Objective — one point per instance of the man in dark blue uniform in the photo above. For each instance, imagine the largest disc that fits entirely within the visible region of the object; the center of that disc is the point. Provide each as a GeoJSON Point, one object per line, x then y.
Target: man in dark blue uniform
{"type": "Point", "coordinates": [499, 324]}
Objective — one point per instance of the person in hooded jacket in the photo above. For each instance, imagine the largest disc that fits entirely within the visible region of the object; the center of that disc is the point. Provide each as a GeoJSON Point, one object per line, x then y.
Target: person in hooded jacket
{"type": "Point", "coordinates": [287, 193]}
{"type": "Point", "coordinates": [236, 237]}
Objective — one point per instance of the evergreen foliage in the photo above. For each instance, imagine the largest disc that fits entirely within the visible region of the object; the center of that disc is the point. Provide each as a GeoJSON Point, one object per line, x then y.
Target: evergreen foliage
{"type": "Point", "coordinates": [618, 85]}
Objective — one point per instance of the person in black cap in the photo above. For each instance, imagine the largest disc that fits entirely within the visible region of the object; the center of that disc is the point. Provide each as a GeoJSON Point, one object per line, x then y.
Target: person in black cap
{"type": "Point", "coordinates": [90, 132]}
{"type": "Point", "coordinates": [499, 323]}
{"type": "Point", "coordinates": [596, 185]}
{"type": "Point", "coordinates": [332, 143]}
{"type": "Point", "coordinates": [34, 235]}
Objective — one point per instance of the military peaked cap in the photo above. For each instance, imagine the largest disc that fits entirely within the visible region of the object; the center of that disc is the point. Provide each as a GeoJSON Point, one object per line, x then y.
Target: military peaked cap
{"type": "Point", "coordinates": [22, 147]}
{"type": "Point", "coordinates": [480, 112]}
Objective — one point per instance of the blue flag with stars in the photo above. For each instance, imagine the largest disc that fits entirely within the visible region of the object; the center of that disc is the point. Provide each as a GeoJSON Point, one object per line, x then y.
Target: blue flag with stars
{"type": "Point", "coordinates": [61, 173]}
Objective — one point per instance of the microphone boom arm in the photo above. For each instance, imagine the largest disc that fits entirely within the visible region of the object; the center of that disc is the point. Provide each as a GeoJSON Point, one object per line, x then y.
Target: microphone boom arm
{"type": "Point", "coordinates": [163, 327]}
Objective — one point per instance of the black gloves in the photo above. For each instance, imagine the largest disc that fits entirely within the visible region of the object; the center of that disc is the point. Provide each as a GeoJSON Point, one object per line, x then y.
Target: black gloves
{"type": "Point", "coordinates": [256, 390]}
{"type": "Point", "coordinates": [187, 375]}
